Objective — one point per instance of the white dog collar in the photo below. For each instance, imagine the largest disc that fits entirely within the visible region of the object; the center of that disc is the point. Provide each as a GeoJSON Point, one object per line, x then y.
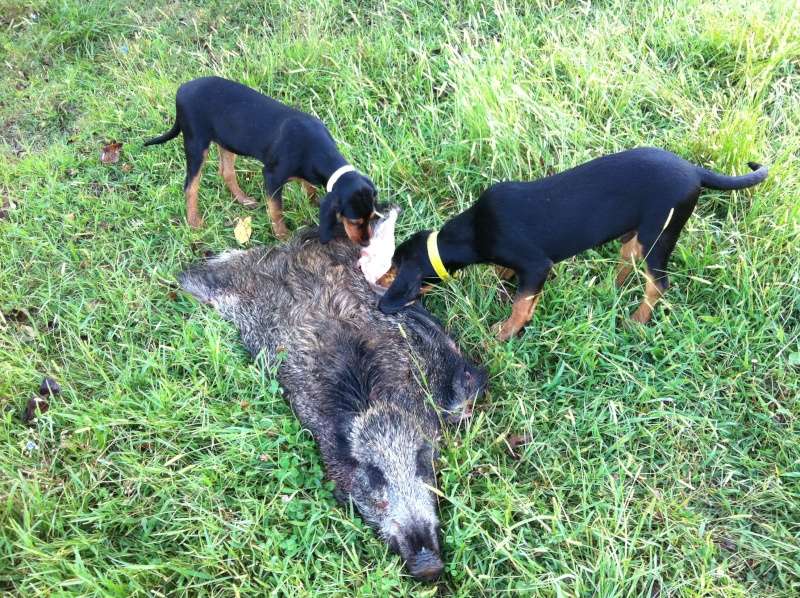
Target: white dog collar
{"type": "Point", "coordinates": [337, 174]}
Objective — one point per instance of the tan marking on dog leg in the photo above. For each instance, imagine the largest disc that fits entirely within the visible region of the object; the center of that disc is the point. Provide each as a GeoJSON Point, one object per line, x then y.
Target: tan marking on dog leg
{"type": "Point", "coordinates": [228, 173]}
{"type": "Point", "coordinates": [629, 251]}
{"type": "Point", "coordinates": [652, 293]}
{"type": "Point", "coordinates": [192, 212]}
{"type": "Point", "coordinates": [310, 191]}
{"type": "Point", "coordinates": [521, 314]}
{"type": "Point", "coordinates": [504, 273]}
{"type": "Point", "coordinates": [276, 215]}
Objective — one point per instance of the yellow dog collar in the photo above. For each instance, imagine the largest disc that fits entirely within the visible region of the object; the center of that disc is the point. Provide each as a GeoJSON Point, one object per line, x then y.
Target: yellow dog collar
{"type": "Point", "coordinates": [435, 258]}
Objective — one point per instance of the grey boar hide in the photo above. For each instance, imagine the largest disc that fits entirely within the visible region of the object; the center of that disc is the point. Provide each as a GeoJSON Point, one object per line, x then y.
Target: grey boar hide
{"type": "Point", "coordinates": [371, 388]}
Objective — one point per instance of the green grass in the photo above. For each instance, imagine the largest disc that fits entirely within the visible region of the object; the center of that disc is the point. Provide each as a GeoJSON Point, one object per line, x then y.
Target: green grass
{"type": "Point", "coordinates": [664, 460]}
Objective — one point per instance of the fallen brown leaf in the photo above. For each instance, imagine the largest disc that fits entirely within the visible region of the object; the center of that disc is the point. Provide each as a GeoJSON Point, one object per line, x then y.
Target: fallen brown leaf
{"type": "Point", "coordinates": [49, 387]}
{"type": "Point", "coordinates": [6, 207]}
{"type": "Point", "coordinates": [18, 316]}
{"type": "Point", "coordinates": [515, 441]}
{"type": "Point", "coordinates": [727, 544]}
{"type": "Point", "coordinates": [34, 404]}
{"type": "Point", "coordinates": [110, 153]}
{"type": "Point", "coordinates": [127, 167]}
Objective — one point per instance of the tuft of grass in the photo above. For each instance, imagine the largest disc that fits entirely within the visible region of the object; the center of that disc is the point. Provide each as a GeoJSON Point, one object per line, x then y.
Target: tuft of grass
{"type": "Point", "coordinates": [662, 460]}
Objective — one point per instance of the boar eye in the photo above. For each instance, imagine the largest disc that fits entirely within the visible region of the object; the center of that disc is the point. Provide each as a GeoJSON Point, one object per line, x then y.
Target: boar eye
{"type": "Point", "coordinates": [375, 477]}
{"type": "Point", "coordinates": [424, 462]}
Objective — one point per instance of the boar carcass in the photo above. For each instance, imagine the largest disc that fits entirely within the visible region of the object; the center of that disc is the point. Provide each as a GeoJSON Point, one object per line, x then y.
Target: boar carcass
{"type": "Point", "coordinates": [373, 389]}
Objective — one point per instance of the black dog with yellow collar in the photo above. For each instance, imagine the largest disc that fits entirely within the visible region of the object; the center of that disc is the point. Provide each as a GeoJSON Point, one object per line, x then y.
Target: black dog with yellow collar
{"type": "Point", "coordinates": [644, 195]}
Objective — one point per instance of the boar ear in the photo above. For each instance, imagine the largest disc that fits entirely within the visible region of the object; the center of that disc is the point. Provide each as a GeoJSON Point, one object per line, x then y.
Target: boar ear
{"type": "Point", "coordinates": [469, 381]}
{"type": "Point", "coordinates": [344, 453]}
{"type": "Point", "coordinates": [329, 207]}
{"type": "Point", "coordinates": [404, 289]}
{"type": "Point", "coordinates": [424, 461]}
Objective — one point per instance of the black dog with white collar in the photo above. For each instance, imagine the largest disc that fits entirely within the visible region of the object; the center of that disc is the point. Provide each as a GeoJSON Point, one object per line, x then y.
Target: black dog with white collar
{"type": "Point", "coordinates": [645, 196]}
{"type": "Point", "coordinates": [291, 144]}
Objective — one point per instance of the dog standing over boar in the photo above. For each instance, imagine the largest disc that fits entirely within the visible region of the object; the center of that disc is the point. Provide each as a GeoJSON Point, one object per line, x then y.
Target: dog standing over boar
{"type": "Point", "coordinates": [291, 144]}
{"type": "Point", "coordinates": [361, 381]}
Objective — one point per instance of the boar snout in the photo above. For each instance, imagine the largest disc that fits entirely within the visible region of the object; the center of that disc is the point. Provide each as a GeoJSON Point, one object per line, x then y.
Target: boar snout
{"type": "Point", "coordinates": [426, 566]}
{"type": "Point", "coordinates": [419, 548]}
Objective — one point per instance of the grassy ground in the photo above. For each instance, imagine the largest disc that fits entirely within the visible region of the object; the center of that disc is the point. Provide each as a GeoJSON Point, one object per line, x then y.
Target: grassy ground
{"type": "Point", "coordinates": [663, 460]}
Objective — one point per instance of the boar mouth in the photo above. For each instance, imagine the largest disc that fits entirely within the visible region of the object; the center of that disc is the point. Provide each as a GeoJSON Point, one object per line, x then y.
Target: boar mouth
{"type": "Point", "coordinates": [419, 548]}
{"type": "Point", "coordinates": [460, 413]}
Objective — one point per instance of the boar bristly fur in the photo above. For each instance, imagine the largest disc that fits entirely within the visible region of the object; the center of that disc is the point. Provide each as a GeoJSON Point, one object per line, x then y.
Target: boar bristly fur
{"type": "Point", "coordinates": [373, 389]}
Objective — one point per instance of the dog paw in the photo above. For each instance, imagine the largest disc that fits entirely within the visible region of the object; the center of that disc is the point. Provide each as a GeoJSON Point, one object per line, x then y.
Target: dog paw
{"type": "Point", "coordinates": [504, 331]}
{"type": "Point", "coordinates": [622, 277]}
{"type": "Point", "coordinates": [195, 221]}
{"type": "Point", "coordinates": [642, 315]}
{"type": "Point", "coordinates": [280, 231]}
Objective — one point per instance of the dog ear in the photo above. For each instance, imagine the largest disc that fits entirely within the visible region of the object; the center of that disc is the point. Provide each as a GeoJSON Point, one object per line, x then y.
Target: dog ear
{"type": "Point", "coordinates": [373, 188]}
{"type": "Point", "coordinates": [329, 207]}
{"type": "Point", "coordinates": [404, 289]}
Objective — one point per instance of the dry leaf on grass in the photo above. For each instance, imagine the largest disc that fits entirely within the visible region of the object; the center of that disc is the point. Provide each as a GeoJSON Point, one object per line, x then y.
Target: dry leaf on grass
{"type": "Point", "coordinates": [34, 404]}
{"type": "Point", "coordinates": [243, 229]}
{"type": "Point", "coordinates": [110, 154]}
{"type": "Point", "coordinates": [5, 207]}
{"type": "Point", "coordinates": [515, 441]}
{"type": "Point", "coordinates": [49, 387]}
{"type": "Point", "coordinates": [727, 544]}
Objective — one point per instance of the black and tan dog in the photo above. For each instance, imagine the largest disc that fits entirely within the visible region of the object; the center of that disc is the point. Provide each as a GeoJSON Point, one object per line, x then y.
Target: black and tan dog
{"type": "Point", "coordinates": [645, 196]}
{"type": "Point", "coordinates": [291, 145]}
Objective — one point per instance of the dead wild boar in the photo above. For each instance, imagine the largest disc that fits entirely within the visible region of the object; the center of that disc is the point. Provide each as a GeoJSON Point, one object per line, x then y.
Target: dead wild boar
{"type": "Point", "coordinates": [372, 388]}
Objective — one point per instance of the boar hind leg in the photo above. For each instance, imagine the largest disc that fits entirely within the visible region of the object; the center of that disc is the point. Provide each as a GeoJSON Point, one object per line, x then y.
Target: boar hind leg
{"type": "Point", "coordinates": [214, 281]}
{"type": "Point", "coordinates": [528, 295]}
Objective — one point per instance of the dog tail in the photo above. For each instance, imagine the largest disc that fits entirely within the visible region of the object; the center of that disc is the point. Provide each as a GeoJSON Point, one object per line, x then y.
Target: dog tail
{"type": "Point", "coordinates": [712, 180]}
{"type": "Point", "coordinates": [171, 134]}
